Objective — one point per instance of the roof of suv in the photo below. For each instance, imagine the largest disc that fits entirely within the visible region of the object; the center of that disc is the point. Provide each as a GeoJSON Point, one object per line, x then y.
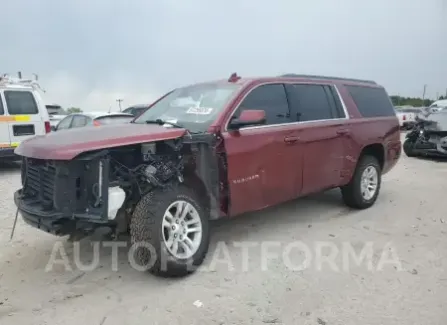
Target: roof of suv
{"type": "Point", "coordinates": [298, 77]}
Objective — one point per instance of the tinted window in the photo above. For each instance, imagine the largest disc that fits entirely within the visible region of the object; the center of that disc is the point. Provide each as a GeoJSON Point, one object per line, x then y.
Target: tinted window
{"type": "Point", "coordinates": [20, 102]}
{"type": "Point", "coordinates": [2, 111]}
{"type": "Point", "coordinates": [311, 103]}
{"type": "Point", "coordinates": [272, 99]}
{"type": "Point", "coordinates": [79, 121]}
{"type": "Point", "coordinates": [371, 102]}
{"type": "Point", "coordinates": [65, 123]}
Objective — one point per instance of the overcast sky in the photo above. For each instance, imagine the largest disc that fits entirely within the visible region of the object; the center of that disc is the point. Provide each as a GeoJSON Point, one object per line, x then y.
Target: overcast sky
{"type": "Point", "coordinates": [90, 52]}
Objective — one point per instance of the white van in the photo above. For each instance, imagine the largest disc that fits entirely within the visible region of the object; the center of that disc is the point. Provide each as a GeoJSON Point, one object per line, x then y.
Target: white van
{"type": "Point", "coordinates": [22, 114]}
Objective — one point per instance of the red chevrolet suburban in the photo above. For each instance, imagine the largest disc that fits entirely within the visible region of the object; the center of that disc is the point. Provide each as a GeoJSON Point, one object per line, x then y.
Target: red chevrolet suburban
{"type": "Point", "coordinates": [208, 151]}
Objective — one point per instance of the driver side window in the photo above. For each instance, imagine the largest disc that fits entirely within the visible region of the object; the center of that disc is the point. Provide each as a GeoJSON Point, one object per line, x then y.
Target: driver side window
{"type": "Point", "coordinates": [272, 99]}
{"type": "Point", "coordinates": [65, 123]}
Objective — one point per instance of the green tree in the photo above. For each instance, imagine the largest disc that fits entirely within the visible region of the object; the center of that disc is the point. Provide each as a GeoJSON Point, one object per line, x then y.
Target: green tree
{"type": "Point", "coordinates": [410, 101]}
{"type": "Point", "coordinates": [72, 110]}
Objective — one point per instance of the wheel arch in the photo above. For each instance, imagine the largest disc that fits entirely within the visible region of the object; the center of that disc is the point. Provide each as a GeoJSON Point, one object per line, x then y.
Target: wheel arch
{"type": "Point", "coordinates": [375, 150]}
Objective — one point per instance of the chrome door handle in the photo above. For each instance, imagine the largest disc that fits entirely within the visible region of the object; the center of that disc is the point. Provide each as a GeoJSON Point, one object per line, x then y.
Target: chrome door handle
{"type": "Point", "coordinates": [343, 131]}
{"type": "Point", "coordinates": [291, 139]}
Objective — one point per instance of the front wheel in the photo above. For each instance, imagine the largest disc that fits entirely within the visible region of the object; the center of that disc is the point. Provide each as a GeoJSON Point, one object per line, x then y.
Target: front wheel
{"type": "Point", "coordinates": [408, 147]}
{"type": "Point", "coordinates": [363, 189]}
{"type": "Point", "coordinates": [170, 232]}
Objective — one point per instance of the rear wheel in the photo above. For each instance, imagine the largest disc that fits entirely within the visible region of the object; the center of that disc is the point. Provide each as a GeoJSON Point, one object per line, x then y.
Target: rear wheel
{"type": "Point", "coordinates": [363, 189]}
{"type": "Point", "coordinates": [408, 147]}
{"type": "Point", "coordinates": [169, 232]}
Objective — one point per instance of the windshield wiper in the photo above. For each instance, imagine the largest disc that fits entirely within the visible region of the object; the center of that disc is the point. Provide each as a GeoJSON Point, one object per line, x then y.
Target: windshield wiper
{"type": "Point", "coordinates": [161, 122]}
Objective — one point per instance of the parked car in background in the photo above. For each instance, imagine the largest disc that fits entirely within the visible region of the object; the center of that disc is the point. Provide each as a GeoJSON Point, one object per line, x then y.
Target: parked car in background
{"type": "Point", "coordinates": [77, 120]}
{"type": "Point", "coordinates": [407, 116]}
{"type": "Point", "coordinates": [136, 109]}
{"type": "Point", "coordinates": [438, 105]}
{"type": "Point", "coordinates": [22, 114]}
{"type": "Point", "coordinates": [207, 151]}
{"type": "Point", "coordinates": [55, 119]}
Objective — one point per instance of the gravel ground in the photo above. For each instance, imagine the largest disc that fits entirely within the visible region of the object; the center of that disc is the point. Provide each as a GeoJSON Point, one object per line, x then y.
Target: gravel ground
{"type": "Point", "coordinates": [406, 283]}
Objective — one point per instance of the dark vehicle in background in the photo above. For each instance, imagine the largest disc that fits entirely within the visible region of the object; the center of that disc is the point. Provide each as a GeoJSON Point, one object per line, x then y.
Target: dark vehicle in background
{"type": "Point", "coordinates": [429, 136]}
{"type": "Point", "coordinates": [136, 109]}
{"type": "Point", "coordinates": [207, 151]}
{"type": "Point", "coordinates": [77, 120]}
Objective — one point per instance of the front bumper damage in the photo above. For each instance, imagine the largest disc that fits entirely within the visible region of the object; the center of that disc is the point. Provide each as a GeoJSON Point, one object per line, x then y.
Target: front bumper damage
{"type": "Point", "coordinates": [431, 144]}
{"type": "Point", "coordinates": [102, 188]}
{"type": "Point", "coordinates": [60, 197]}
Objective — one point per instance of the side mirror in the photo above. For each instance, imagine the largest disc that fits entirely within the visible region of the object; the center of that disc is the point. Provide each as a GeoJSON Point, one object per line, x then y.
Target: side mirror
{"type": "Point", "coordinates": [248, 117]}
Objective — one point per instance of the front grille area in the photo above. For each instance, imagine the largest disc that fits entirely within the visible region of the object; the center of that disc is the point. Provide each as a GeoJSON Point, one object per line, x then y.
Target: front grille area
{"type": "Point", "coordinates": [39, 181]}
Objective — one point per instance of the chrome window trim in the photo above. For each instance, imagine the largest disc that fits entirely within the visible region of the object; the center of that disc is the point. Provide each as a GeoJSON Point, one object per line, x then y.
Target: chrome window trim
{"type": "Point", "coordinates": [292, 123]}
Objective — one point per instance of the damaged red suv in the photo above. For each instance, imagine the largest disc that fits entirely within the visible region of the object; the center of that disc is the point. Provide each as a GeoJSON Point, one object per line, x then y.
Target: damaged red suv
{"type": "Point", "coordinates": [208, 151]}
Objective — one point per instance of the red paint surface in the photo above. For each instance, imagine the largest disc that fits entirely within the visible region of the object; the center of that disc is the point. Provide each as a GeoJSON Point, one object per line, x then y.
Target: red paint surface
{"type": "Point", "coordinates": [67, 144]}
{"type": "Point", "coordinates": [266, 166]}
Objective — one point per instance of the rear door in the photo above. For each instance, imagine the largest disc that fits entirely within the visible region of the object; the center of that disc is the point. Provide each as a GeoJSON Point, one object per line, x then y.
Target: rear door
{"type": "Point", "coordinates": [5, 141]}
{"type": "Point", "coordinates": [264, 164]}
{"type": "Point", "coordinates": [24, 118]}
{"type": "Point", "coordinates": [322, 122]}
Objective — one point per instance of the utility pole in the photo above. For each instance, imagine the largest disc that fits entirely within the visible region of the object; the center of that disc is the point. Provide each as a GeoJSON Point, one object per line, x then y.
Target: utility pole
{"type": "Point", "coordinates": [423, 93]}
{"type": "Point", "coordinates": [119, 100]}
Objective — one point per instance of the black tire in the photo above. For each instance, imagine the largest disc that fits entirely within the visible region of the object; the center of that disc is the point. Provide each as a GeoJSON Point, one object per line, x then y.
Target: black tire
{"type": "Point", "coordinates": [408, 147]}
{"type": "Point", "coordinates": [352, 194]}
{"type": "Point", "coordinates": [146, 227]}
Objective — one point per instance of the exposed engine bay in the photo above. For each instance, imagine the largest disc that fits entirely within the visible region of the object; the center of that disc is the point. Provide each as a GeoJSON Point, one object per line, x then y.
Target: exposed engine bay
{"type": "Point", "coordinates": [97, 187]}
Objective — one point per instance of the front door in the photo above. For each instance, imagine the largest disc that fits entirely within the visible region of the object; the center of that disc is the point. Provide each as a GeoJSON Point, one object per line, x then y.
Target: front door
{"type": "Point", "coordinates": [323, 126]}
{"type": "Point", "coordinates": [263, 161]}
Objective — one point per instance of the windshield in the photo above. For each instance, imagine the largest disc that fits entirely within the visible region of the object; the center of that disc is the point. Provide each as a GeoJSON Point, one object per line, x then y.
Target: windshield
{"type": "Point", "coordinates": [193, 107]}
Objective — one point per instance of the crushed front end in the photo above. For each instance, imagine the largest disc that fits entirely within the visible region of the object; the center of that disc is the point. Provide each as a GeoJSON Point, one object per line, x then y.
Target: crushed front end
{"type": "Point", "coordinates": [102, 188]}
{"type": "Point", "coordinates": [60, 196]}
{"type": "Point", "coordinates": [429, 136]}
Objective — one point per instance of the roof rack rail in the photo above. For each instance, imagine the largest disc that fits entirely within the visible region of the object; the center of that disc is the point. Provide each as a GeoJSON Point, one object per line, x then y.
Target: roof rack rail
{"type": "Point", "coordinates": [6, 79]}
{"type": "Point", "coordinates": [293, 75]}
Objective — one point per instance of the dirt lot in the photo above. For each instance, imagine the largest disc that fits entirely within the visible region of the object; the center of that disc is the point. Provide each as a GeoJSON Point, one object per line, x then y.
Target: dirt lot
{"type": "Point", "coordinates": [409, 221]}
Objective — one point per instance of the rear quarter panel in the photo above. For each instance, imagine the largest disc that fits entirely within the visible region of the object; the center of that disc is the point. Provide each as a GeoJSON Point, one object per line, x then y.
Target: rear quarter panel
{"type": "Point", "coordinates": [368, 131]}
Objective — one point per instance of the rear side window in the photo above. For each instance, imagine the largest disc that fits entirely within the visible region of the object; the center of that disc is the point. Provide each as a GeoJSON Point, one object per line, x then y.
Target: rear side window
{"type": "Point", "coordinates": [371, 102]}
{"type": "Point", "coordinates": [107, 120]}
{"type": "Point", "coordinates": [79, 121]}
{"type": "Point", "coordinates": [20, 102]}
{"type": "Point", "coordinates": [65, 123]}
{"type": "Point", "coordinates": [270, 98]}
{"type": "Point", "coordinates": [312, 103]}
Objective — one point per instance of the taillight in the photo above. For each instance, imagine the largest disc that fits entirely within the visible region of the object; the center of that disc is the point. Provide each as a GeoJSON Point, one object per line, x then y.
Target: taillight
{"type": "Point", "coordinates": [96, 123]}
{"type": "Point", "coordinates": [47, 127]}
{"type": "Point", "coordinates": [404, 117]}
